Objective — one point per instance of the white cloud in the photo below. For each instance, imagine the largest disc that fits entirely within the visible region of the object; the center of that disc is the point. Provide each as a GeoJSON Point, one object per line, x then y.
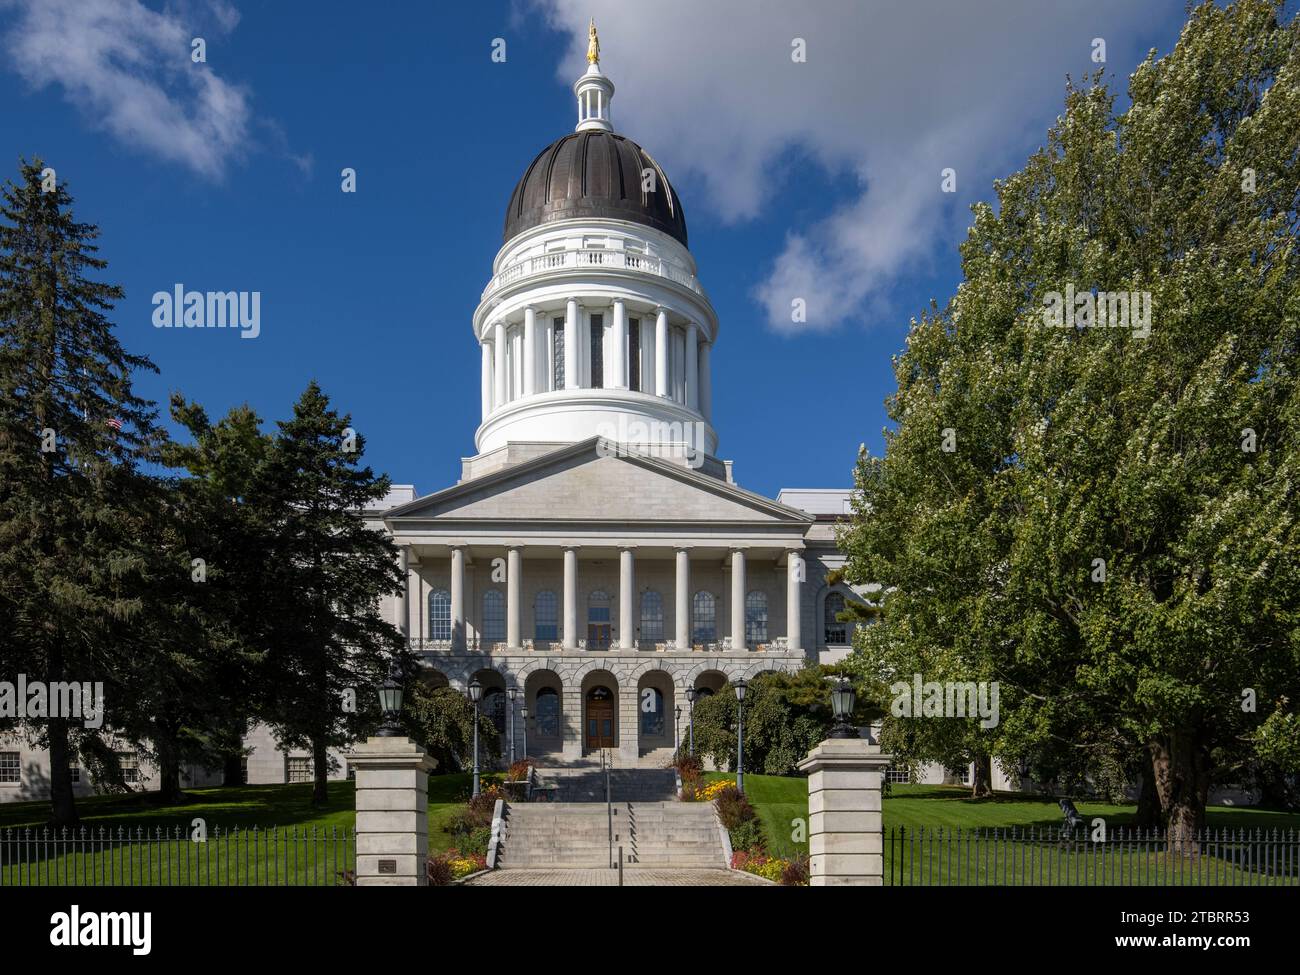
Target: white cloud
{"type": "Point", "coordinates": [890, 95]}
{"type": "Point", "coordinates": [128, 69]}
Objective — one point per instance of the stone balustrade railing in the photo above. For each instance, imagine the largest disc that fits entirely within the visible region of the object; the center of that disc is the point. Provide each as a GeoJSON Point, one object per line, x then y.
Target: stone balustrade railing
{"type": "Point", "coordinates": [589, 257]}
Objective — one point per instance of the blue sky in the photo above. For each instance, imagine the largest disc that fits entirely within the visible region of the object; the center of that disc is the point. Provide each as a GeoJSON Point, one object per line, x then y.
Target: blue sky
{"type": "Point", "coordinates": [820, 178]}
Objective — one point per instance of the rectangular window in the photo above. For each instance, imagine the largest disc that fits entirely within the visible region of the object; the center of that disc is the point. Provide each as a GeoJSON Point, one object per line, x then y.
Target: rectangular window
{"type": "Point", "coordinates": [634, 354]}
{"type": "Point", "coordinates": [900, 776]}
{"type": "Point", "coordinates": [11, 771]}
{"type": "Point", "coordinates": [129, 762]}
{"type": "Point", "coordinates": [597, 351]}
{"type": "Point", "coordinates": [74, 773]}
{"type": "Point", "coordinates": [557, 351]}
{"type": "Point", "coordinates": [299, 769]}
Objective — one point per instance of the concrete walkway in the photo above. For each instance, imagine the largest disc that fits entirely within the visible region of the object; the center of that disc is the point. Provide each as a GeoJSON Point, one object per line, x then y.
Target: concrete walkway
{"type": "Point", "coordinates": [603, 877]}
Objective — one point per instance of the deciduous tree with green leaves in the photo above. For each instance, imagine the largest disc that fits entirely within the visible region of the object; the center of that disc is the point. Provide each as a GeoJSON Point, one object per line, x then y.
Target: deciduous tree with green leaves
{"type": "Point", "coordinates": [1102, 520]}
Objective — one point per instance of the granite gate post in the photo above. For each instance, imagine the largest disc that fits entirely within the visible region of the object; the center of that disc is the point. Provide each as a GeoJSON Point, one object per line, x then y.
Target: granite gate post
{"type": "Point", "coordinates": [845, 829]}
{"type": "Point", "coordinates": [392, 777]}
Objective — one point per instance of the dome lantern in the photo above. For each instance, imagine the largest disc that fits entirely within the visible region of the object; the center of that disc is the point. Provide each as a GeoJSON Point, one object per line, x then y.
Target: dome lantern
{"type": "Point", "coordinates": [594, 90]}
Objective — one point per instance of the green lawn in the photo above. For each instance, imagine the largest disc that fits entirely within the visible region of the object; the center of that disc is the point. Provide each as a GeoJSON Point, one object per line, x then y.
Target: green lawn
{"type": "Point", "coordinates": [782, 804]}
{"type": "Point", "coordinates": [308, 846]}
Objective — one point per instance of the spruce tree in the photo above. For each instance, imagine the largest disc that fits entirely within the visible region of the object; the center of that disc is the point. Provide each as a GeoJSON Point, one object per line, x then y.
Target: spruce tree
{"type": "Point", "coordinates": [327, 643]}
{"type": "Point", "coordinates": [73, 438]}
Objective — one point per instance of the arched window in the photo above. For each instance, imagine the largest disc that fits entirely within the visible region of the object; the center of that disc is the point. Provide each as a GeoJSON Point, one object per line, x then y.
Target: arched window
{"type": "Point", "coordinates": [756, 618]}
{"type": "Point", "coordinates": [546, 616]}
{"type": "Point", "coordinates": [547, 724]}
{"type": "Point", "coordinates": [440, 615]}
{"type": "Point", "coordinates": [836, 633]}
{"type": "Point", "coordinates": [494, 615]}
{"type": "Point", "coordinates": [598, 620]}
{"type": "Point", "coordinates": [652, 712]}
{"type": "Point", "coordinates": [652, 616]}
{"type": "Point", "coordinates": [704, 618]}
{"type": "Point", "coordinates": [494, 706]}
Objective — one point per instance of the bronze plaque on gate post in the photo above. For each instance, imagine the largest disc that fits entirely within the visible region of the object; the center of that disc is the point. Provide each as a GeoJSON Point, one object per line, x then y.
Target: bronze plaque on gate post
{"type": "Point", "coordinates": [388, 866]}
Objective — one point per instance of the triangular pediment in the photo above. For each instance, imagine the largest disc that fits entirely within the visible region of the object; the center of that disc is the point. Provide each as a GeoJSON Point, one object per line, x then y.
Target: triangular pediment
{"type": "Point", "coordinates": [594, 481]}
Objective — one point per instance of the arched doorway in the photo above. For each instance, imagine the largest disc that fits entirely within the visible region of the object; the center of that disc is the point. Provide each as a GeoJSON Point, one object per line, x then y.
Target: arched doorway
{"type": "Point", "coordinates": [599, 727]}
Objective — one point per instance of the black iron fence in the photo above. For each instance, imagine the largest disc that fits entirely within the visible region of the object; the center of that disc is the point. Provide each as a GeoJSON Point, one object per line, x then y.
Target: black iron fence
{"type": "Point", "coordinates": [176, 856]}
{"type": "Point", "coordinates": [1124, 856]}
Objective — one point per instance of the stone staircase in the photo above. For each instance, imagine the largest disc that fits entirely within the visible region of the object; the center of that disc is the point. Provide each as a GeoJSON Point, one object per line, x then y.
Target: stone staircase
{"type": "Point", "coordinates": [653, 828]}
{"type": "Point", "coordinates": [576, 834]}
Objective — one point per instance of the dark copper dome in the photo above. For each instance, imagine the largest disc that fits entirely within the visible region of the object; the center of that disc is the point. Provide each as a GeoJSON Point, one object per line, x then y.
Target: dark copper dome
{"type": "Point", "coordinates": [593, 174]}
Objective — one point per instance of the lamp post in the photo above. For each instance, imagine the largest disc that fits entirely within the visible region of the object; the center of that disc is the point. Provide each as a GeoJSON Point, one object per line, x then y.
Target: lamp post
{"type": "Point", "coordinates": [524, 712]}
{"type": "Point", "coordinates": [390, 705]}
{"type": "Point", "coordinates": [740, 688]}
{"type": "Point", "coordinates": [677, 729]}
{"type": "Point", "coordinates": [843, 700]}
{"type": "Point", "coordinates": [475, 695]}
{"type": "Point", "coordinates": [512, 693]}
{"type": "Point", "coordinates": [690, 699]}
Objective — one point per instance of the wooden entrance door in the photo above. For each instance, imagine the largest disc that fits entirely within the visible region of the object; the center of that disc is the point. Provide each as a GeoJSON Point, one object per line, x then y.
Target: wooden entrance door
{"type": "Point", "coordinates": [600, 718]}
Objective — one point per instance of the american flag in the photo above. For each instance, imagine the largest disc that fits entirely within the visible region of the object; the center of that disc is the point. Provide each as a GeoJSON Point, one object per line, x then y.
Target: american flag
{"type": "Point", "coordinates": [115, 423]}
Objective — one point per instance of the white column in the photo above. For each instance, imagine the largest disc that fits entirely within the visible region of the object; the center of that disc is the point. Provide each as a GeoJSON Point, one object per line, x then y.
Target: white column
{"type": "Point", "coordinates": [683, 598]}
{"type": "Point", "coordinates": [571, 344]}
{"type": "Point", "coordinates": [661, 352]}
{"type": "Point", "coordinates": [570, 599]}
{"type": "Point", "coordinates": [647, 355]}
{"type": "Point", "coordinates": [626, 600]}
{"type": "Point", "coordinates": [499, 354]}
{"type": "Point", "coordinates": [513, 588]}
{"type": "Point", "coordinates": [487, 379]}
{"type": "Point", "coordinates": [530, 350]}
{"type": "Point", "coordinates": [706, 382]}
{"type": "Point", "coordinates": [458, 598]}
{"type": "Point", "coordinates": [794, 577]}
{"type": "Point", "coordinates": [692, 366]}
{"type": "Point", "coordinates": [616, 376]}
{"type": "Point", "coordinates": [737, 599]}
{"type": "Point", "coordinates": [404, 607]}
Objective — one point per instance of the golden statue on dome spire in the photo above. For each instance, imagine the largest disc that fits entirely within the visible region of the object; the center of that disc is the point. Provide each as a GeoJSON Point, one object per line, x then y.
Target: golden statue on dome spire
{"type": "Point", "coordinates": [593, 44]}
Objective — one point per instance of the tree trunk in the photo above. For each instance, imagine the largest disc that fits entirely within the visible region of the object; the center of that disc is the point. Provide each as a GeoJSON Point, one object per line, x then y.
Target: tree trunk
{"type": "Point", "coordinates": [1183, 783]}
{"type": "Point", "coordinates": [63, 806]}
{"type": "Point", "coordinates": [169, 774]}
{"type": "Point", "coordinates": [981, 785]}
{"type": "Point", "coordinates": [232, 770]}
{"type": "Point", "coordinates": [1148, 810]}
{"type": "Point", "coordinates": [320, 762]}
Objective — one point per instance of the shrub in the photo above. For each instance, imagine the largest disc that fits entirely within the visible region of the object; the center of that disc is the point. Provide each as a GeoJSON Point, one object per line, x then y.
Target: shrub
{"type": "Point", "coordinates": [481, 806]}
{"type": "Point", "coordinates": [518, 771]}
{"type": "Point", "coordinates": [795, 873]}
{"type": "Point", "coordinates": [747, 836]}
{"type": "Point", "coordinates": [733, 807]}
{"type": "Point", "coordinates": [445, 868]}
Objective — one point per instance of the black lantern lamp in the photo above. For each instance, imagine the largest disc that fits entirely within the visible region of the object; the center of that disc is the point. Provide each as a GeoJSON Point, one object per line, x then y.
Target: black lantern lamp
{"type": "Point", "coordinates": [740, 687]}
{"type": "Point", "coordinates": [475, 695]}
{"type": "Point", "coordinates": [390, 705]}
{"type": "Point", "coordinates": [843, 700]}
{"type": "Point", "coordinates": [512, 693]}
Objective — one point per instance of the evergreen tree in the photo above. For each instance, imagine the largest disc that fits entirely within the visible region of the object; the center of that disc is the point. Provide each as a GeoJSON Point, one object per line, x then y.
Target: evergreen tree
{"type": "Point", "coordinates": [229, 543]}
{"type": "Point", "coordinates": [326, 641]}
{"type": "Point", "coordinates": [73, 437]}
